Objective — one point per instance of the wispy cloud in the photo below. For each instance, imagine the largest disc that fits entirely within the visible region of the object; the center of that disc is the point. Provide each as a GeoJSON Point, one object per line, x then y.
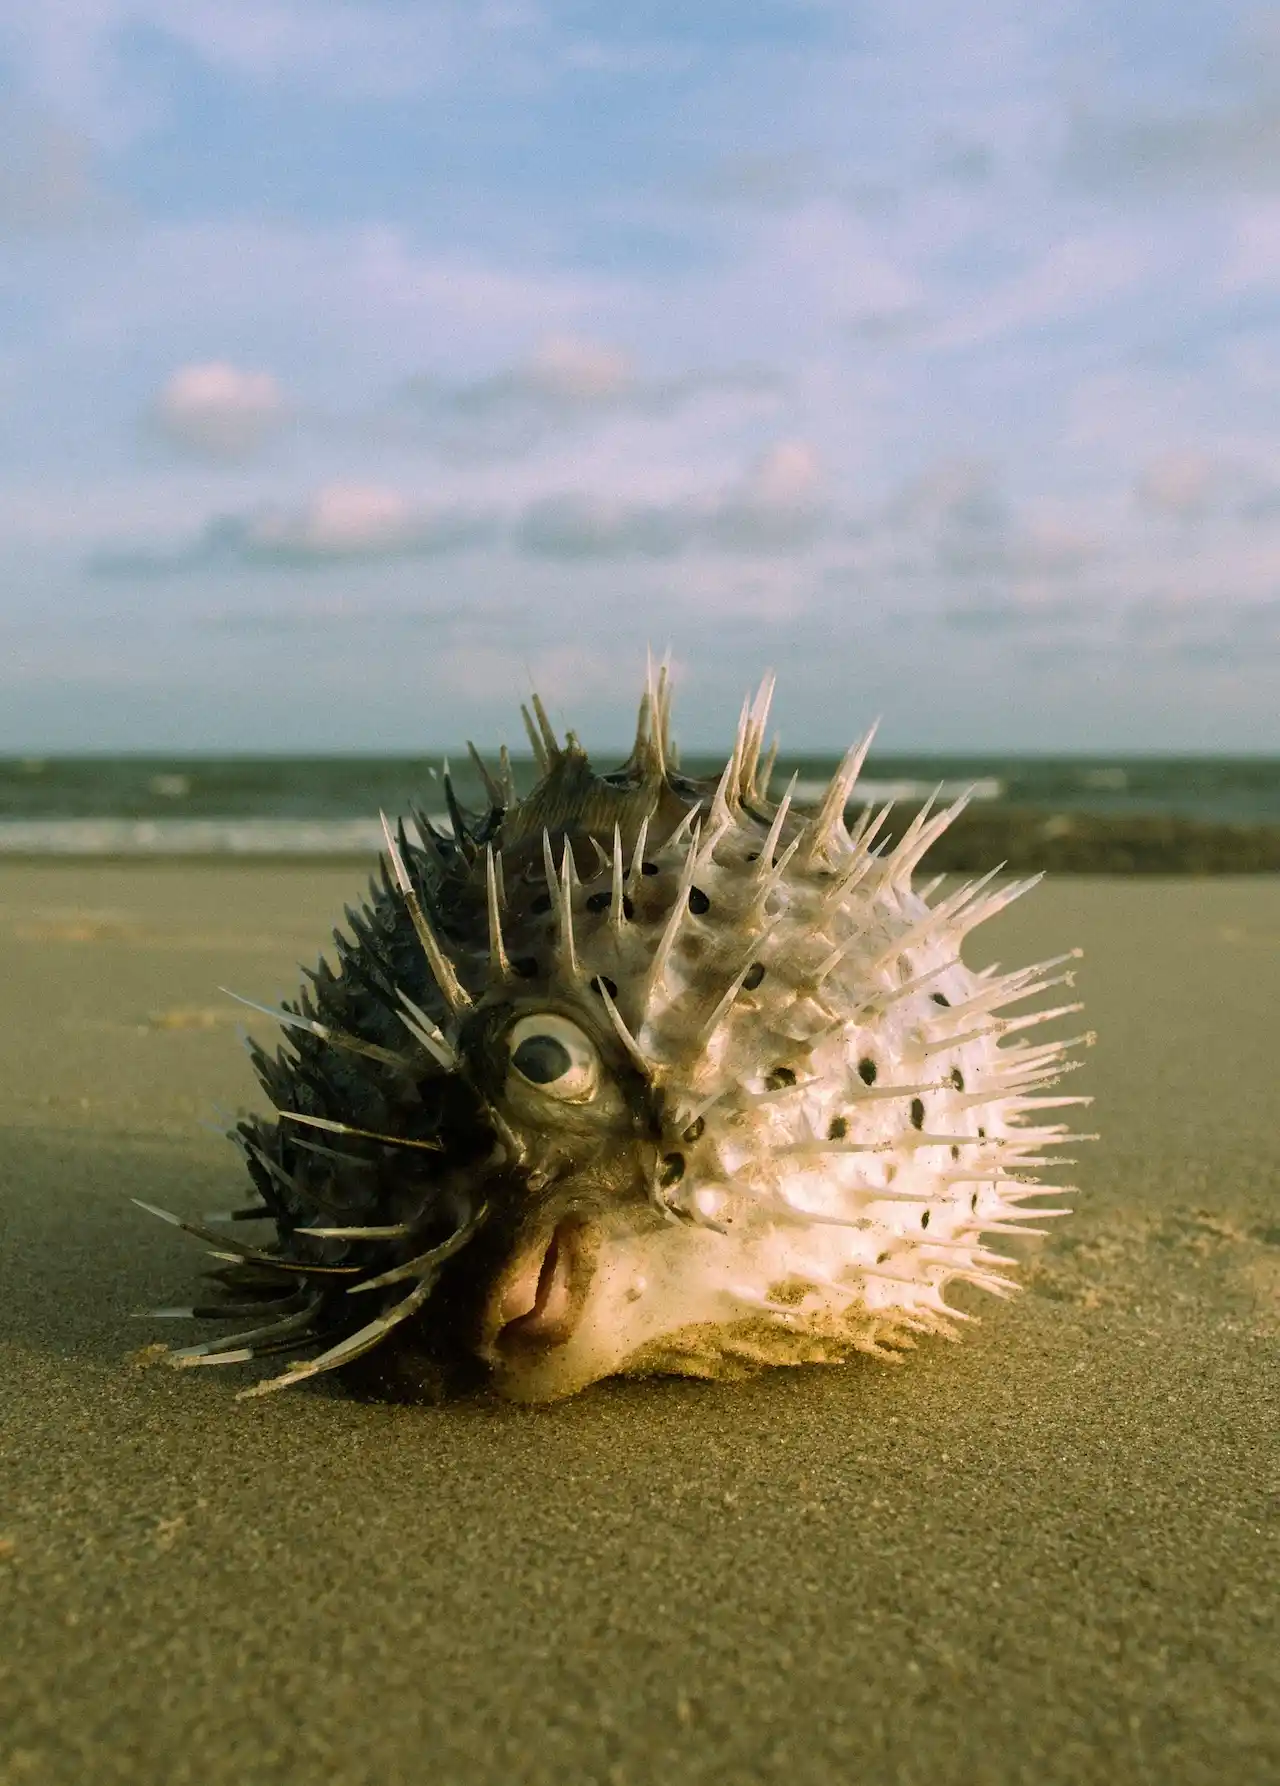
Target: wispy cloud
{"type": "Point", "coordinates": [1071, 280]}
{"type": "Point", "coordinates": [339, 524]}
{"type": "Point", "coordinates": [1230, 140]}
{"type": "Point", "coordinates": [567, 382]}
{"type": "Point", "coordinates": [83, 54]}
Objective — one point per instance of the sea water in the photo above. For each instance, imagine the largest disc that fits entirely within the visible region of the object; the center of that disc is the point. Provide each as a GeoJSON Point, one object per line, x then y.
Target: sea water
{"type": "Point", "coordinates": [329, 806]}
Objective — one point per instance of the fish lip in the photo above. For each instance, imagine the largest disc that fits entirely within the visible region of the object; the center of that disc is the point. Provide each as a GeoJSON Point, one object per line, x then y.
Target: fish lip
{"type": "Point", "coordinates": [547, 1283]}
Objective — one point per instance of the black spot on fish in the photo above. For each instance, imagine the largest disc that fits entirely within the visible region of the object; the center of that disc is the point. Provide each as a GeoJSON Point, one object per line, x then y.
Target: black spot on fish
{"type": "Point", "coordinates": [672, 1170]}
{"type": "Point", "coordinates": [779, 1078]}
{"type": "Point", "coordinates": [917, 1113]}
{"type": "Point", "coordinates": [698, 902]}
{"type": "Point", "coordinates": [753, 976]}
{"type": "Point", "coordinates": [867, 1070]}
{"type": "Point", "coordinates": [600, 902]}
{"type": "Point", "coordinates": [838, 1128]}
{"type": "Point", "coordinates": [602, 983]}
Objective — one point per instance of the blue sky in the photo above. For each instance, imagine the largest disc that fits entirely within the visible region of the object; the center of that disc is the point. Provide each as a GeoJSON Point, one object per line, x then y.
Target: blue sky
{"type": "Point", "coordinates": [362, 364]}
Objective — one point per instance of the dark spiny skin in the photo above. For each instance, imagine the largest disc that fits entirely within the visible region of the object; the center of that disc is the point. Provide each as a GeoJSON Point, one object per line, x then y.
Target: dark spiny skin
{"type": "Point", "coordinates": [592, 1160]}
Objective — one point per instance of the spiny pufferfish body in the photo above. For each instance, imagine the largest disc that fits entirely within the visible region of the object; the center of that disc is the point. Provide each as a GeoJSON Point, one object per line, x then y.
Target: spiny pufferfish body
{"type": "Point", "coordinates": [638, 1074]}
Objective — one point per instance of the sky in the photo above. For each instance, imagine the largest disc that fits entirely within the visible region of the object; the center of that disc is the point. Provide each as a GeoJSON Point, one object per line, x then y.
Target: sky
{"type": "Point", "coordinates": [363, 366]}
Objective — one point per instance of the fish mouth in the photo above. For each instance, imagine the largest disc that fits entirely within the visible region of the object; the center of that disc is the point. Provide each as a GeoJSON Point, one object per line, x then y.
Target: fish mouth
{"type": "Point", "coordinates": [539, 1298]}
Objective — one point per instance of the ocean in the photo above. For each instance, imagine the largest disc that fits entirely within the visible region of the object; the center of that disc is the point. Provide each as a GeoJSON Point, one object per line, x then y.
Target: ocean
{"type": "Point", "coordinates": [328, 806]}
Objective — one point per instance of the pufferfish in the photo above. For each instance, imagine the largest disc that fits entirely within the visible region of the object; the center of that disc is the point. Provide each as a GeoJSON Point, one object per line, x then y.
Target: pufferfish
{"type": "Point", "coordinates": [640, 1074]}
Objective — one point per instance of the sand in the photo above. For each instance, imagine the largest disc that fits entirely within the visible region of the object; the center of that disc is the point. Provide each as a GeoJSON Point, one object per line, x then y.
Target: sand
{"type": "Point", "coordinates": [1049, 1554]}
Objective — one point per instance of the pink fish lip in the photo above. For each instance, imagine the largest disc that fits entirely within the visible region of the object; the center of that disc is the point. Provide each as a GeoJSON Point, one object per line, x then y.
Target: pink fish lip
{"type": "Point", "coordinates": [539, 1298]}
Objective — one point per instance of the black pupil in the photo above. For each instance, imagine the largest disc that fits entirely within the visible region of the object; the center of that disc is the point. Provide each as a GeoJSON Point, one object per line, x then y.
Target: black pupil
{"type": "Point", "coordinates": [542, 1059]}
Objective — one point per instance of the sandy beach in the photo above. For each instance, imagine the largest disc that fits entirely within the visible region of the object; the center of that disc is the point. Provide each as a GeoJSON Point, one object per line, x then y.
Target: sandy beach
{"type": "Point", "coordinates": [1045, 1555]}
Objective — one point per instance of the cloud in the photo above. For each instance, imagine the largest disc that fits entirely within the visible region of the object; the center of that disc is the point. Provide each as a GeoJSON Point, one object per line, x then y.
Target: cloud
{"type": "Point", "coordinates": [565, 375]}
{"type": "Point", "coordinates": [1259, 502]}
{"type": "Point", "coordinates": [569, 672]}
{"type": "Point", "coordinates": [1193, 630]}
{"type": "Point", "coordinates": [567, 381]}
{"type": "Point", "coordinates": [887, 328]}
{"type": "Point", "coordinates": [1178, 483]}
{"type": "Point", "coordinates": [1072, 278]}
{"type": "Point", "coordinates": [785, 480]}
{"type": "Point", "coordinates": [1208, 632]}
{"type": "Point", "coordinates": [777, 506]}
{"type": "Point", "coordinates": [959, 492]}
{"type": "Point", "coordinates": [763, 182]}
{"type": "Point", "coordinates": [963, 162]}
{"type": "Point", "coordinates": [341, 523]}
{"type": "Point", "coordinates": [819, 263]}
{"type": "Point", "coordinates": [48, 180]}
{"type": "Point", "coordinates": [569, 369]}
{"type": "Point", "coordinates": [1028, 552]}
{"type": "Point", "coordinates": [1233, 144]}
{"type": "Point", "coordinates": [574, 526]}
{"type": "Point", "coordinates": [82, 55]}
{"type": "Point", "coordinates": [955, 525]}
{"type": "Point", "coordinates": [360, 614]}
{"type": "Point", "coordinates": [345, 521]}
{"type": "Point", "coordinates": [218, 411]}
{"type": "Point", "coordinates": [359, 304]}
{"type": "Point", "coordinates": [1253, 259]}
{"type": "Point", "coordinates": [329, 43]}
{"type": "Point", "coordinates": [1022, 618]}
{"type": "Point", "coordinates": [1238, 149]}
{"type": "Point", "coordinates": [952, 517]}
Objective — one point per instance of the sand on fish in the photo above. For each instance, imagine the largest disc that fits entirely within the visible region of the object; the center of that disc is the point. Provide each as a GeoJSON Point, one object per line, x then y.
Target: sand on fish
{"type": "Point", "coordinates": [1045, 1555]}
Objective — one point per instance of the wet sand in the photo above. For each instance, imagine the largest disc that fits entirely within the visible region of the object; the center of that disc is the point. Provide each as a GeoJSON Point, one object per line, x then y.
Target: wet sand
{"type": "Point", "coordinates": [1046, 1555]}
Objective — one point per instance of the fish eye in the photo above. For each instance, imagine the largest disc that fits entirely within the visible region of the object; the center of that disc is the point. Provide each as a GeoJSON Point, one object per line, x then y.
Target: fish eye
{"type": "Point", "coordinates": [552, 1053]}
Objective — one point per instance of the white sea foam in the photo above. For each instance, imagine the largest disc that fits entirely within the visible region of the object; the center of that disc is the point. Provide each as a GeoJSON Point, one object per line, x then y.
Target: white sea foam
{"type": "Point", "coordinates": [319, 837]}
{"type": "Point", "coordinates": [190, 837]}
